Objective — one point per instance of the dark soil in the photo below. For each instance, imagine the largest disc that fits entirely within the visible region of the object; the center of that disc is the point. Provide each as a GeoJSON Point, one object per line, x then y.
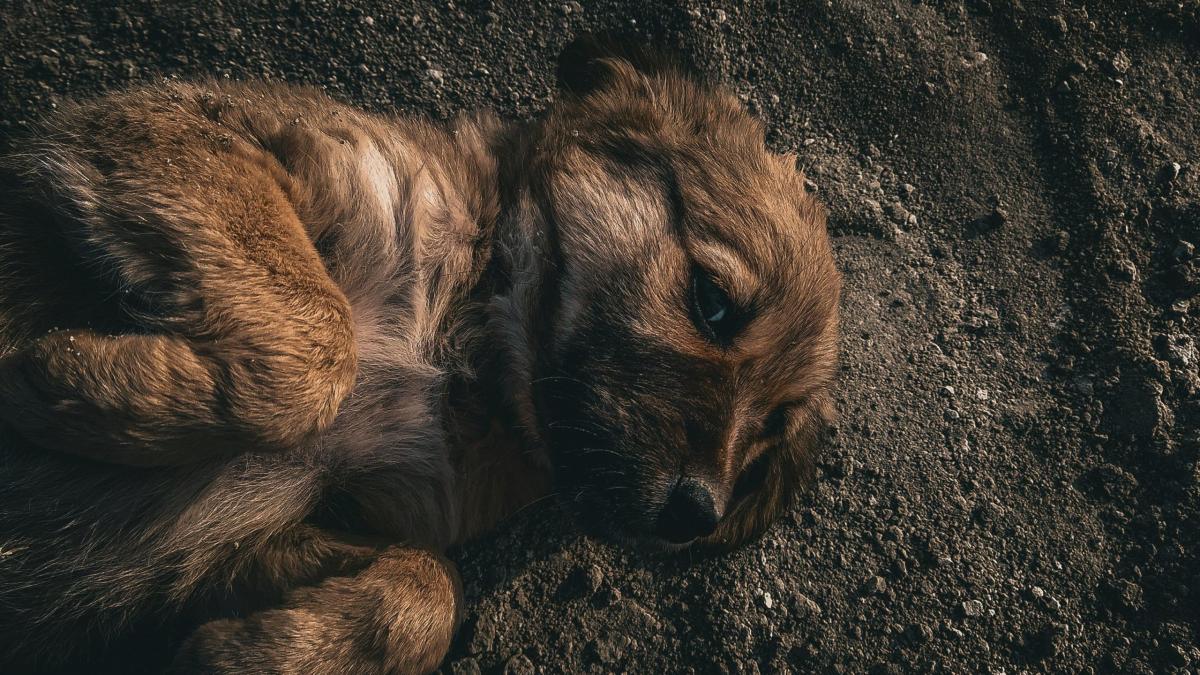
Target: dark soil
{"type": "Point", "coordinates": [1013, 188]}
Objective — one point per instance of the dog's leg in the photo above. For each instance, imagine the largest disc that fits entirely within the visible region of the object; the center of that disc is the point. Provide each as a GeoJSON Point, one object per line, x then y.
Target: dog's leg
{"type": "Point", "coordinates": [240, 338]}
{"type": "Point", "coordinates": [397, 615]}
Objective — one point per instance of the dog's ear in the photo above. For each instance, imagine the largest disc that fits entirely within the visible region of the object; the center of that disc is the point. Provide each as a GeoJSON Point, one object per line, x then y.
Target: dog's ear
{"type": "Point", "coordinates": [591, 62]}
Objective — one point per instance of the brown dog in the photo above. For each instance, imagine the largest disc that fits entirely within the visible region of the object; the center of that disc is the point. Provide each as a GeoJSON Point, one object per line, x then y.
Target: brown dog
{"type": "Point", "coordinates": [263, 357]}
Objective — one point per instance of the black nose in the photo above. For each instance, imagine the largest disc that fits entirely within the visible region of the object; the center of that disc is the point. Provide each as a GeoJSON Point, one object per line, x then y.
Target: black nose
{"type": "Point", "coordinates": [690, 512]}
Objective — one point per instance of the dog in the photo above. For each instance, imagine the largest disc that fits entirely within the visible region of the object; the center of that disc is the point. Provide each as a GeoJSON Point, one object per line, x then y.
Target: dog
{"type": "Point", "coordinates": [264, 357]}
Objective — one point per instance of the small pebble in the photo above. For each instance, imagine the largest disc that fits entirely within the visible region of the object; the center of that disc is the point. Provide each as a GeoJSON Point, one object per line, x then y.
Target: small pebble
{"type": "Point", "coordinates": [1125, 270]}
{"type": "Point", "coordinates": [1059, 23]}
{"type": "Point", "coordinates": [467, 666]}
{"type": "Point", "coordinates": [594, 578]}
{"type": "Point", "coordinates": [972, 608]}
{"type": "Point", "coordinates": [1119, 63]}
{"type": "Point", "coordinates": [518, 664]}
{"type": "Point", "coordinates": [875, 585]}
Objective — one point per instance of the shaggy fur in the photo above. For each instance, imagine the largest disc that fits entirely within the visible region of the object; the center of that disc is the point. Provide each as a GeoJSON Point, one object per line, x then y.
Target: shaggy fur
{"type": "Point", "coordinates": [263, 356]}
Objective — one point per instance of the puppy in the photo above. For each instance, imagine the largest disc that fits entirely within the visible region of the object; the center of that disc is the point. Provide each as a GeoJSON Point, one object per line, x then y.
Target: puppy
{"type": "Point", "coordinates": [263, 357]}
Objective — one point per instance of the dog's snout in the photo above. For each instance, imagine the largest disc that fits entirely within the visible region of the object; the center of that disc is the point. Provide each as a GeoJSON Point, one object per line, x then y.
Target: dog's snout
{"type": "Point", "coordinates": [691, 512]}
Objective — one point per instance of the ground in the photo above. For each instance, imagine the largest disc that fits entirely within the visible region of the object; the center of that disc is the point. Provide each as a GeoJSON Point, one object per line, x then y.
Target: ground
{"type": "Point", "coordinates": [1013, 191]}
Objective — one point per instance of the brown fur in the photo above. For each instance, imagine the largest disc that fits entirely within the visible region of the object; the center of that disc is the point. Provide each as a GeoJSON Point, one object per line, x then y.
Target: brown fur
{"type": "Point", "coordinates": [262, 355]}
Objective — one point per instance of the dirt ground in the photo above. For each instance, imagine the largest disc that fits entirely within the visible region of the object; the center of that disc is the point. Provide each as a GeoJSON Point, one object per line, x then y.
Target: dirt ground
{"type": "Point", "coordinates": [1014, 485]}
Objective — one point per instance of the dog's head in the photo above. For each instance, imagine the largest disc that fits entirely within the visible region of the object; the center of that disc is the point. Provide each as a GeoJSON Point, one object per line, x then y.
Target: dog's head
{"type": "Point", "coordinates": [673, 315]}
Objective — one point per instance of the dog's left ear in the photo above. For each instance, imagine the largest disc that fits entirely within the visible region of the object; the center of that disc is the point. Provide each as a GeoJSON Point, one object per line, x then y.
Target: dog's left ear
{"type": "Point", "coordinates": [592, 62]}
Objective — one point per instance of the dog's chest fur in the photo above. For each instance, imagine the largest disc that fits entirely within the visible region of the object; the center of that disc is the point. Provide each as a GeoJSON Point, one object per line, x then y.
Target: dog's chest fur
{"type": "Point", "coordinates": [401, 213]}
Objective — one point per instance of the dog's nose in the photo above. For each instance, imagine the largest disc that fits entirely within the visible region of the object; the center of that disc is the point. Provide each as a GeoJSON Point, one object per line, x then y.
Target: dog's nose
{"type": "Point", "coordinates": [690, 512]}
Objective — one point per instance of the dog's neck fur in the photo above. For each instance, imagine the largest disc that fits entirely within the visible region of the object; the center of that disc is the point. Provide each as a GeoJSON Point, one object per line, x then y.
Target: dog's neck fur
{"type": "Point", "coordinates": [491, 426]}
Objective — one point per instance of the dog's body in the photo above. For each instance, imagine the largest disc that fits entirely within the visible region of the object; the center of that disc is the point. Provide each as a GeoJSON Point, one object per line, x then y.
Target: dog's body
{"type": "Point", "coordinates": [265, 356]}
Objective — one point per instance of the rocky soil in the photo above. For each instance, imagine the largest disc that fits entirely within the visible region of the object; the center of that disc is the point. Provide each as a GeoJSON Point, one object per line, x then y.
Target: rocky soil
{"type": "Point", "coordinates": [1013, 188]}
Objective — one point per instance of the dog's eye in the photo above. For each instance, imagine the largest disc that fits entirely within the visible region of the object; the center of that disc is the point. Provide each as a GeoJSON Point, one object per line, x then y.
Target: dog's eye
{"type": "Point", "coordinates": [714, 310]}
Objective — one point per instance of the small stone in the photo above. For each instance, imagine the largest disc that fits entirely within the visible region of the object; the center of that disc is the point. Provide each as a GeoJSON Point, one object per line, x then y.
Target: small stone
{"type": "Point", "coordinates": [1059, 242]}
{"type": "Point", "coordinates": [1170, 172]}
{"type": "Point", "coordinates": [368, 21]}
{"type": "Point", "coordinates": [1053, 603]}
{"type": "Point", "coordinates": [907, 190]}
{"type": "Point", "coordinates": [50, 63]}
{"type": "Point", "coordinates": [594, 578]}
{"type": "Point", "coordinates": [767, 600]}
{"type": "Point", "coordinates": [435, 76]}
{"type": "Point", "coordinates": [972, 608]}
{"type": "Point", "coordinates": [982, 394]}
{"type": "Point", "coordinates": [84, 41]}
{"type": "Point", "coordinates": [946, 391]}
{"type": "Point", "coordinates": [875, 585]}
{"type": "Point", "coordinates": [1119, 64]}
{"type": "Point", "coordinates": [720, 16]}
{"type": "Point", "coordinates": [1063, 87]}
{"type": "Point", "coordinates": [467, 666]}
{"type": "Point", "coordinates": [897, 213]}
{"type": "Point", "coordinates": [1059, 24]}
{"type": "Point", "coordinates": [1184, 250]}
{"type": "Point", "coordinates": [1037, 591]}
{"type": "Point", "coordinates": [807, 604]}
{"type": "Point", "coordinates": [977, 59]}
{"type": "Point", "coordinates": [1181, 349]}
{"type": "Point", "coordinates": [919, 633]}
{"type": "Point", "coordinates": [612, 597]}
{"type": "Point", "coordinates": [575, 7]}
{"type": "Point", "coordinates": [1125, 270]}
{"type": "Point", "coordinates": [604, 650]}
{"type": "Point", "coordinates": [485, 634]}
{"type": "Point", "coordinates": [518, 664]}
{"type": "Point", "coordinates": [1177, 657]}
{"type": "Point", "coordinates": [952, 415]}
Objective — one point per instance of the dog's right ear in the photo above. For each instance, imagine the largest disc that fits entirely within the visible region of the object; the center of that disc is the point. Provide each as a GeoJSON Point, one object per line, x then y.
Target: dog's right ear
{"type": "Point", "coordinates": [591, 62]}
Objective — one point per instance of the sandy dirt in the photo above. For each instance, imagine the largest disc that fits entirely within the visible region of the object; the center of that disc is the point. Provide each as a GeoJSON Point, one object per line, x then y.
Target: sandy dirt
{"type": "Point", "coordinates": [1013, 191]}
